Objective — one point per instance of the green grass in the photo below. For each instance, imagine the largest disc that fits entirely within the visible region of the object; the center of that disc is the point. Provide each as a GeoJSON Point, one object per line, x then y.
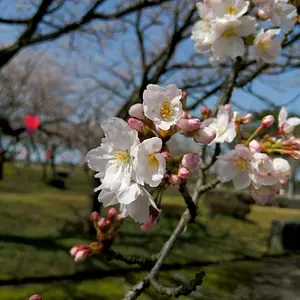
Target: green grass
{"type": "Point", "coordinates": [40, 223]}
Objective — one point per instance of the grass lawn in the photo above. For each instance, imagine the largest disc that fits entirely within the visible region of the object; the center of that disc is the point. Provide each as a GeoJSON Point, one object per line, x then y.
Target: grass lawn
{"type": "Point", "coordinates": [39, 224]}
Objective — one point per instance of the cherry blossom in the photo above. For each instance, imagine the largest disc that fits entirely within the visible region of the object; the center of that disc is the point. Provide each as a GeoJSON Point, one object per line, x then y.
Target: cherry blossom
{"type": "Point", "coordinates": [283, 14]}
{"type": "Point", "coordinates": [235, 8]}
{"type": "Point", "coordinates": [202, 30]}
{"type": "Point", "coordinates": [225, 129]}
{"type": "Point", "coordinates": [264, 193]}
{"type": "Point", "coordinates": [235, 165]}
{"type": "Point", "coordinates": [287, 125]}
{"type": "Point", "coordinates": [226, 39]}
{"type": "Point", "coordinates": [114, 158]}
{"type": "Point", "coordinates": [265, 47]}
{"type": "Point", "coordinates": [163, 105]}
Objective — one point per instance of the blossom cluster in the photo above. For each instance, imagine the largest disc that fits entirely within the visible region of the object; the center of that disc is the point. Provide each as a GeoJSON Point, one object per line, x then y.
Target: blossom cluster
{"type": "Point", "coordinates": [227, 26]}
{"type": "Point", "coordinates": [251, 163]}
{"type": "Point", "coordinates": [134, 156]}
{"type": "Point", "coordinates": [106, 229]}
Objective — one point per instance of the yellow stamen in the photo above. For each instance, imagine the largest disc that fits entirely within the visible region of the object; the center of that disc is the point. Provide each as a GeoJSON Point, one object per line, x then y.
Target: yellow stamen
{"type": "Point", "coordinates": [153, 163]}
{"type": "Point", "coordinates": [241, 164]}
{"type": "Point", "coordinates": [264, 44]}
{"type": "Point", "coordinates": [231, 10]}
{"type": "Point", "coordinates": [122, 156]}
{"type": "Point", "coordinates": [166, 110]}
{"type": "Point", "coordinates": [229, 32]}
{"type": "Point", "coordinates": [206, 25]}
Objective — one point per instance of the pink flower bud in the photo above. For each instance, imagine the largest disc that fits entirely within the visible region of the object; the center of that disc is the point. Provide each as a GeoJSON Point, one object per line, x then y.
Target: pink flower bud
{"type": "Point", "coordinates": [35, 297]}
{"type": "Point", "coordinates": [267, 121]}
{"type": "Point", "coordinates": [204, 110]}
{"type": "Point", "coordinates": [247, 118]}
{"type": "Point", "coordinates": [227, 107]}
{"type": "Point", "coordinates": [112, 212]}
{"type": "Point", "coordinates": [166, 155]}
{"type": "Point", "coordinates": [205, 135]}
{"type": "Point", "coordinates": [174, 179]}
{"type": "Point", "coordinates": [137, 111]}
{"type": "Point", "coordinates": [254, 146]}
{"type": "Point", "coordinates": [94, 216]}
{"type": "Point", "coordinates": [184, 173]}
{"type": "Point", "coordinates": [264, 12]}
{"type": "Point", "coordinates": [136, 124]}
{"type": "Point", "coordinates": [81, 255]}
{"type": "Point", "coordinates": [102, 224]}
{"type": "Point", "coordinates": [187, 125]}
{"type": "Point", "coordinates": [74, 250]}
{"type": "Point", "coordinates": [190, 161]}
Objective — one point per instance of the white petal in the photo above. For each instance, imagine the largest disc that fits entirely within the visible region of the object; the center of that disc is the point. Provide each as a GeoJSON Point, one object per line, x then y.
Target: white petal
{"type": "Point", "coordinates": [293, 121]}
{"type": "Point", "coordinates": [107, 198]}
{"type": "Point", "coordinates": [247, 25]}
{"type": "Point", "coordinates": [230, 133]}
{"type": "Point", "coordinates": [222, 116]}
{"type": "Point", "coordinates": [129, 194]}
{"type": "Point", "coordinates": [282, 115]}
{"type": "Point", "coordinates": [226, 170]}
{"type": "Point", "coordinates": [242, 180]}
{"type": "Point", "coordinates": [151, 145]}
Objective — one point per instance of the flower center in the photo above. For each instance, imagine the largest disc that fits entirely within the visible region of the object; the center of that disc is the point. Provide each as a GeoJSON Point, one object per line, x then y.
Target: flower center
{"type": "Point", "coordinates": [166, 110]}
{"type": "Point", "coordinates": [241, 164]}
{"type": "Point", "coordinates": [153, 162]}
{"type": "Point", "coordinates": [122, 156]}
{"type": "Point", "coordinates": [229, 32]}
{"type": "Point", "coordinates": [231, 10]}
{"type": "Point", "coordinates": [264, 44]}
{"type": "Point", "coordinates": [206, 25]}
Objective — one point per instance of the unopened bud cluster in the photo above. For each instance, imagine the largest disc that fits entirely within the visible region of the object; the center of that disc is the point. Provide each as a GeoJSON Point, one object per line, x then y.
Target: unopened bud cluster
{"type": "Point", "coordinates": [106, 230]}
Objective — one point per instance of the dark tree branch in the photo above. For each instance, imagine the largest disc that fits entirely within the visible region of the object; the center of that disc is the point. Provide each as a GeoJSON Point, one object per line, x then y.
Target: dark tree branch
{"type": "Point", "coordinates": [182, 290]}
{"type": "Point", "coordinates": [188, 200]}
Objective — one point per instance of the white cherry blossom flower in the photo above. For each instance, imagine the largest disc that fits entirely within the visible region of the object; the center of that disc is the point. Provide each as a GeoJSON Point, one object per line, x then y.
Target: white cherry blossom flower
{"type": "Point", "coordinates": [150, 164]}
{"type": "Point", "coordinates": [235, 8]}
{"type": "Point", "coordinates": [202, 30]}
{"type": "Point", "coordinates": [226, 39]}
{"type": "Point", "coordinates": [163, 105]}
{"type": "Point", "coordinates": [287, 125]}
{"type": "Point", "coordinates": [264, 193]}
{"type": "Point", "coordinates": [262, 166]}
{"type": "Point", "coordinates": [134, 201]}
{"type": "Point", "coordinates": [283, 14]}
{"type": "Point", "coordinates": [114, 158]}
{"type": "Point", "coordinates": [235, 165]}
{"type": "Point", "coordinates": [225, 129]}
{"type": "Point", "coordinates": [265, 47]}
